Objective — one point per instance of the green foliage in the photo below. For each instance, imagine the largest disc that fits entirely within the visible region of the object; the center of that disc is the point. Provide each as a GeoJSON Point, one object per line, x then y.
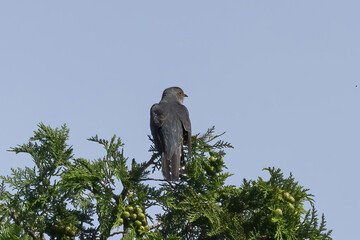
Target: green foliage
{"type": "Point", "coordinates": [64, 197]}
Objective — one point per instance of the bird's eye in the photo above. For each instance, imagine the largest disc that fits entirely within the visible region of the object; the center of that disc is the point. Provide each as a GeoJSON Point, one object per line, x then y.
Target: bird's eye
{"type": "Point", "coordinates": [180, 92]}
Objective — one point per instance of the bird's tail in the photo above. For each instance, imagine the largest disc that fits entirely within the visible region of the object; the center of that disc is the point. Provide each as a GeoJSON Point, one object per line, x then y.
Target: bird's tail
{"type": "Point", "coordinates": [165, 167]}
{"type": "Point", "coordinates": [175, 164]}
{"type": "Point", "coordinates": [171, 167]}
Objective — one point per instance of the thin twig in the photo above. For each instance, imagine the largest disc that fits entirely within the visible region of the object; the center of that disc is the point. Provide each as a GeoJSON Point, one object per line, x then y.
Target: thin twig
{"type": "Point", "coordinates": [116, 233]}
{"type": "Point", "coordinates": [94, 236]}
{"type": "Point", "coordinates": [158, 224]}
{"type": "Point", "coordinates": [156, 179]}
{"type": "Point", "coordinates": [151, 161]}
{"type": "Point", "coordinates": [153, 179]}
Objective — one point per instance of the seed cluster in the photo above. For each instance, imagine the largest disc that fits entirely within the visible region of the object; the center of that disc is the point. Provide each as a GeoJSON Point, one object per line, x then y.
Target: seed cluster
{"type": "Point", "coordinates": [214, 165]}
{"type": "Point", "coordinates": [135, 217]}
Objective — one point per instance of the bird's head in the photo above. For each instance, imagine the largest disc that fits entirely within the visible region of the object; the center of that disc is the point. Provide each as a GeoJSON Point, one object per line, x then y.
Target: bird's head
{"type": "Point", "coordinates": [173, 94]}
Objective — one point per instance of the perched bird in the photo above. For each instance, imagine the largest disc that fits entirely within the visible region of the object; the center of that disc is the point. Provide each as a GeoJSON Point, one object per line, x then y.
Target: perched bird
{"type": "Point", "coordinates": [171, 128]}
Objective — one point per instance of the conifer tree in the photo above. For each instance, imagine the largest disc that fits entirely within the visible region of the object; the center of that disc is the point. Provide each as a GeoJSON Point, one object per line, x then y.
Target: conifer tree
{"type": "Point", "coordinates": [64, 197]}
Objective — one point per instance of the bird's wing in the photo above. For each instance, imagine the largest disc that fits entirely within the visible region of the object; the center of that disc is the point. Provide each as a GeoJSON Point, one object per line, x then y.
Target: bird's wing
{"type": "Point", "coordinates": [156, 121]}
{"type": "Point", "coordinates": [168, 123]}
{"type": "Point", "coordinates": [183, 115]}
{"type": "Point", "coordinates": [156, 115]}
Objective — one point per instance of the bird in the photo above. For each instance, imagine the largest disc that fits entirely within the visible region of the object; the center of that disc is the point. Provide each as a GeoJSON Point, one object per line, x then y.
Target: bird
{"type": "Point", "coordinates": [171, 129]}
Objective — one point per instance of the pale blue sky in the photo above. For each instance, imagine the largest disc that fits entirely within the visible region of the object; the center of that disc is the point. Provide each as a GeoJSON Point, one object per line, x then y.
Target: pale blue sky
{"type": "Point", "coordinates": [278, 76]}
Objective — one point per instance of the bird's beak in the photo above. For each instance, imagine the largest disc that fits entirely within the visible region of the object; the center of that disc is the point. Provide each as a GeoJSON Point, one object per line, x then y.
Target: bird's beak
{"type": "Point", "coordinates": [185, 95]}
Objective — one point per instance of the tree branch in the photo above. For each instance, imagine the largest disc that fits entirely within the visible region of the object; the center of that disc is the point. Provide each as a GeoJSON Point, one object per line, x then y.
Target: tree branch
{"type": "Point", "coordinates": [156, 179]}
{"type": "Point", "coordinates": [153, 179]}
{"type": "Point", "coordinates": [143, 167]}
{"type": "Point", "coordinates": [116, 233]}
{"type": "Point", "coordinates": [158, 224]}
{"type": "Point", "coordinates": [151, 161]}
{"type": "Point", "coordinates": [16, 220]}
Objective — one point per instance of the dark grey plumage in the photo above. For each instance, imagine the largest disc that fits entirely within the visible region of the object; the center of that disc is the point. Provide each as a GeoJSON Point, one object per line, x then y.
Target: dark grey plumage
{"type": "Point", "coordinates": [171, 128]}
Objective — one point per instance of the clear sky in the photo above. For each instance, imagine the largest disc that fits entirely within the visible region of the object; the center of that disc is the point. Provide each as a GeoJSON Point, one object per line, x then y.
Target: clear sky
{"type": "Point", "coordinates": [278, 76]}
